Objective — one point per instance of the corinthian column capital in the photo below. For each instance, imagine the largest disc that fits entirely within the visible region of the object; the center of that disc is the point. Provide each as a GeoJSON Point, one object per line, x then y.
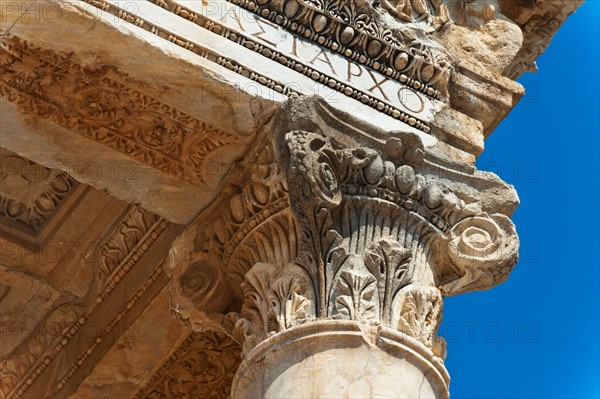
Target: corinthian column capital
{"type": "Point", "coordinates": [334, 228]}
{"type": "Point", "coordinates": [388, 228]}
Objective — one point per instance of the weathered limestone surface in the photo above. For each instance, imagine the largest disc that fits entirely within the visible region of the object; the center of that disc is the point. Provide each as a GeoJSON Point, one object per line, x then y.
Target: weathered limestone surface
{"type": "Point", "coordinates": [341, 359]}
{"type": "Point", "coordinates": [89, 162]}
{"type": "Point", "coordinates": [539, 20]}
{"type": "Point", "coordinates": [151, 133]}
{"type": "Point", "coordinates": [235, 198]}
{"type": "Point", "coordinates": [130, 363]}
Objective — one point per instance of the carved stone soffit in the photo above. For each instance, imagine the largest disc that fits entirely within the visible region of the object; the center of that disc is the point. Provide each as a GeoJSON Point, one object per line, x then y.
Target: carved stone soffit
{"type": "Point", "coordinates": [202, 367]}
{"type": "Point", "coordinates": [96, 104]}
{"type": "Point", "coordinates": [60, 351]}
{"type": "Point", "coordinates": [379, 230]}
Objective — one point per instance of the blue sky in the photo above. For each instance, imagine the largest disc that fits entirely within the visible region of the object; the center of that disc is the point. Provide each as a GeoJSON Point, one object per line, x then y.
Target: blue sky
{"type": "Point", "coordinates": [537, 335]}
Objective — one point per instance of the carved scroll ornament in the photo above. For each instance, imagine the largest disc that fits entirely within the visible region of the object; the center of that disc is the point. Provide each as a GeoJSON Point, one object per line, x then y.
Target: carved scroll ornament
{"type": "Point", "coordinates": [250, 224]}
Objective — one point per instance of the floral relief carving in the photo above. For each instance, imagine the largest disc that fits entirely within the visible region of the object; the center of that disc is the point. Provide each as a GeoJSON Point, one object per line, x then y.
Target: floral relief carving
{"type": "Point", "coordinates": [355, 296]}
{"type": "Point", "coordinates": [252, 225]}
{"type": "Point", "coordinates": [25, 365]}
{"type": "Point", "coordinates": [420, 313]}
{"type": "Point", "coordinates": [273, 302]}
{"type": "Point", "coordinates": [118, 254]}
{"type": "Point", "coordinates": [365, 240]}
{"type": "Point", "coordinates": [92, 103]}
{"type": "Point", "coordinates": [389, 263]}
{"type": "Point", "coordinates": [201, 367]}
{"type": "Point", "coordinates": [387, 229]}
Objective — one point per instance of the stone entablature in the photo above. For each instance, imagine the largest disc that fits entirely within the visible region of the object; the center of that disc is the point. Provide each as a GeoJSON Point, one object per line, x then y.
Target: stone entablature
{"type": "Point", "coordinates": [300, 57]}
{"type": "Point", "coordinates": [396, 63]}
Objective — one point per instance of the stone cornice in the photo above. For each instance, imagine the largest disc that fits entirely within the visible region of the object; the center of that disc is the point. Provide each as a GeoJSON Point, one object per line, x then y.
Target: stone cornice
{"type": "Point", "coordinates": [298, 66]}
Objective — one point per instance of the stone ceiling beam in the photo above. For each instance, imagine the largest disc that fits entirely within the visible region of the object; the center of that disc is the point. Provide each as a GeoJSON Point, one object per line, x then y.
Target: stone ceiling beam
{"type": "Point", "coordinates": [77, 267]}
{"type": "Point", "coordinates": [129, 365]}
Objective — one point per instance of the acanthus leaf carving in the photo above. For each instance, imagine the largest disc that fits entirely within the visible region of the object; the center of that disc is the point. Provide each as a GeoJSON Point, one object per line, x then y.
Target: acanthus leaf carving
{"type": "Point", "coordinates": [273, 302]}
{"type": "Point", "coordinates": [420, 313]}
{"type": "Point", "coordinates": [382, 228]}
{"type": "Point", "coordinates": [289, 306]}
{"type": "Point", "coordinates": [389, 228]}
{"type": "Point", "coordinates": [356, 296]}
{"type": "Point", "coordinates": [252, 225]}
{"type": "Point", "coordinates": [389, 263]}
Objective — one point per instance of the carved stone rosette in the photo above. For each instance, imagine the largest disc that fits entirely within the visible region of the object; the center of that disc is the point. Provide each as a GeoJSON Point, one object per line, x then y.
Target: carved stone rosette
{"type": "Point", "coordinates": [381, 228]}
